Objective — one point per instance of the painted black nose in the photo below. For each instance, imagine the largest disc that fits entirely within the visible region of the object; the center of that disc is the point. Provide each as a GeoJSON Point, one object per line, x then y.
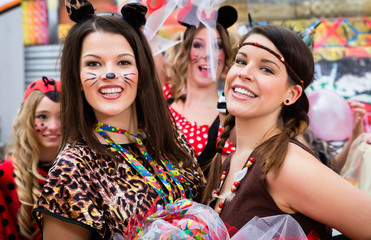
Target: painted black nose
{"type": "Point", "coordinates": [110, 75]}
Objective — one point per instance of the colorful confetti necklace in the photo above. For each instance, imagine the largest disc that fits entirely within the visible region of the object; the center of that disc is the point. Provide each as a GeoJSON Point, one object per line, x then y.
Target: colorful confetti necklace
{"type": "Point", "coordinates": [159, 170]}
{"type": "Point", "coordinates": [237, 179]}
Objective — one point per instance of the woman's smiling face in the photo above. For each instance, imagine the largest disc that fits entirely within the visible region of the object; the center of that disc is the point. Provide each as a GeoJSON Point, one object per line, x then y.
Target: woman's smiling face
{"type": "Point", "coordinates": [257, 83]}
{"type": "Point", "coordinates": [109, 75]}
{"type": "Point", "coordinates": [47, 124]}
{"type": "Point", "coordinates": [199, 65]}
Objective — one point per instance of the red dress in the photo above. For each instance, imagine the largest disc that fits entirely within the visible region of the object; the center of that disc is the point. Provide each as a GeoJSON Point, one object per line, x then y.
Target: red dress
{"type": "Point", "coordinates": [9, 202]}
{"type": "Point", "coordinates": [198, 136]}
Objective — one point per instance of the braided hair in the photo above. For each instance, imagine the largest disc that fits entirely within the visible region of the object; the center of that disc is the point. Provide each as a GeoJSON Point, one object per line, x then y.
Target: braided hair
{"type": "Point", "coordinates": [293, 120]}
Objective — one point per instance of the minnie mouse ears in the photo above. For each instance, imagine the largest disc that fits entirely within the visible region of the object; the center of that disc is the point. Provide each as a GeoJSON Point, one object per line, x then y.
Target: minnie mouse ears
{"type": "Point", "coordinates": [226, 16]}
{"type": "Point", "coordinates": [48, 86]}
{"type": "Point", "coordinates": [81, 10]}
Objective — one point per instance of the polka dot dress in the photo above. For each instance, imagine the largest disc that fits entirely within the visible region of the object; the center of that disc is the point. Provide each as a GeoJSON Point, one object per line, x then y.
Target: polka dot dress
{"type": "Point", "coordinates": [9, 203]}
{"type": "Point", "coordinates": [197, 135]}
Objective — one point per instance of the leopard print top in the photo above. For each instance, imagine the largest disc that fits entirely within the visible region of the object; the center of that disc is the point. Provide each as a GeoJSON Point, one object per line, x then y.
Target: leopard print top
{"type": "Point", "coordinates": [83, 189]}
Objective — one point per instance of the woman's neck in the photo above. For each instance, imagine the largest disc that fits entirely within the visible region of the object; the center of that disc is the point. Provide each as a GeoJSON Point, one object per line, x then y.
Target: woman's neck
{"type": "Point", "coordinates": [251, 133]}
{"type": "Point", "coordinates": [199, 105]}
{"type": "Point", "coordinates": [201, 96]}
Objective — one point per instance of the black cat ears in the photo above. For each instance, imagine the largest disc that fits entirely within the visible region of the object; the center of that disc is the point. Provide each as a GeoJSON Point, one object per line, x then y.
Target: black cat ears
{"type": "Point", "coordinates": [225, 16]}
{"type": "Point", "coordinates": [134, 14]}
{"type": "Point", "coordinates": [81, 10]}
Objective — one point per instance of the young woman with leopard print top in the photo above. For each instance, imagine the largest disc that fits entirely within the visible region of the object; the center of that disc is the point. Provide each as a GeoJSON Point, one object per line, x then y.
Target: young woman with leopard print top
{"type": "Point", "coordinates": [121, 155]}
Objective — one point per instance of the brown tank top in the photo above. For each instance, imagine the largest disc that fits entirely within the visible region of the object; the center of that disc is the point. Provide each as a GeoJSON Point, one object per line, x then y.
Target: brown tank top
{"type": "Point", "coordinates": [253, 199]}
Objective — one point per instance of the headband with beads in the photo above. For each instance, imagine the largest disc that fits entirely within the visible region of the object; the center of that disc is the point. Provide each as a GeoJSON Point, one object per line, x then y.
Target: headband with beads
{"type": "Point", "coordinates": [282, 59]}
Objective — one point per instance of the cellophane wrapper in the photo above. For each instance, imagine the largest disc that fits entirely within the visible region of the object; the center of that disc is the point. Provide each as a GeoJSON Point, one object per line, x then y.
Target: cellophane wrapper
{"type": "Point", "coordinates": [186, 219]}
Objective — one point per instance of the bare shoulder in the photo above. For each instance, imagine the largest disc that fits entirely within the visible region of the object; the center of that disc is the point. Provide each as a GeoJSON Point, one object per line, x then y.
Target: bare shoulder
{"type": "Point", "coordinates": [301, 165]}
{"type": "Point", "coordinates": [305, 185]}
{"type": "Point", "coordinates": [300, 168]}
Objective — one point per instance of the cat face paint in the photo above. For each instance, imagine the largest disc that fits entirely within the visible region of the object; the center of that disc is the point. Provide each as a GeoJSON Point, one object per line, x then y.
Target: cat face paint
{"type": "Point", "coordinates": [199, 65]}
{"type": "Point", "coordinates": [94, 78]}
{"type": "Point", "coordinates": [110, 95]}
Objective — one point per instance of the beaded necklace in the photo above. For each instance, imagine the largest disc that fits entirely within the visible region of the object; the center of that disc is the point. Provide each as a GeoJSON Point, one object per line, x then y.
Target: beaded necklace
{"type": "Point", "coordinates": [238, 178]}
{"type": "Point", "coordinates": [159, 170]}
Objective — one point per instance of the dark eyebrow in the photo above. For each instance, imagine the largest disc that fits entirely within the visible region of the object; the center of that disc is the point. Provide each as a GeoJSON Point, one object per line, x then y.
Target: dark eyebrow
{"type": "Point", "coordinates": [263, 60]}
{"type": "Point", "coordinates": [270, 61]}
{"type": "Point", "coordinates": [199, 39]}
{"type": "Point", "coordinates": [91, 55]}
{"type": "Point", "coordinates": [126, 54]}
{"type": "Point", "coordinates": [202, 40]}
{"type": "Point", "coordinates": [243, 54]}
{"type": "Point", "coordinates": [120, 55]}
{"type": "Point", "coordinates": [42, 111]}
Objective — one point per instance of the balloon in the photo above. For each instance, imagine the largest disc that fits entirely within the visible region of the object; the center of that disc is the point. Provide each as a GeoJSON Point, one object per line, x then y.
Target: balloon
{"type": "Point", "coordinates": [330, 115]}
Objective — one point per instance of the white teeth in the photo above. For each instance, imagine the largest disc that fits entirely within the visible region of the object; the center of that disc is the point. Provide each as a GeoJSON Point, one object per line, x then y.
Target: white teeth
{"type": "Point", "coordinates": [111, 90]}
{"type": "Point", "coordinates": [52, 136]}
{"type": "Point", "coordinates": [205, 67]}
{"type": "Point", "coordinates": [243, 92]}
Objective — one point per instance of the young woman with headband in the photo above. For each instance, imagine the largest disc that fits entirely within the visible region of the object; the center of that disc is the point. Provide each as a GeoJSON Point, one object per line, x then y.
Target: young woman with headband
{"type": "Point", "coordinates": [271, 173]}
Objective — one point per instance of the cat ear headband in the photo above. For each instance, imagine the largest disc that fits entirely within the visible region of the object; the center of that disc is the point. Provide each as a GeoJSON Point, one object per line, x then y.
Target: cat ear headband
{"type": "Point", "coordinates": [132, 13]}
{"type": "Point", "coordinates": [48, 86]}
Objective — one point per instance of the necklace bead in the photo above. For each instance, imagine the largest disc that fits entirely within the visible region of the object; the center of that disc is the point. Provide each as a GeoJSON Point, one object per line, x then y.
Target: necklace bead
{"type": "Point", "coordinates": [220, 208]}
{"type": "Point", "coordinates": [224, 173]}
{"type": "Point", "coordinates": [250, 162]}
{"type": "Point", "coordinates": [234, 187]}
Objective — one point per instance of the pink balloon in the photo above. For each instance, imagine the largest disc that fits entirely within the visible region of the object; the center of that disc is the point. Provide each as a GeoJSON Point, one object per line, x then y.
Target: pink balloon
{"type": "Point", "coordinates": [330, 115]}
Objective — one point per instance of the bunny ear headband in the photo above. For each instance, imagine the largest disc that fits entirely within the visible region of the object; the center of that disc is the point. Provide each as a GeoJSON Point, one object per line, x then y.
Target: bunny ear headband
{"type": "Point", "coordinates": [81, 10]}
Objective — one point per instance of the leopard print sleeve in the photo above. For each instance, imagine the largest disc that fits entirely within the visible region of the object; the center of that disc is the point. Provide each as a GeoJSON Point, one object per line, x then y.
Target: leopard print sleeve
{"type": "Point", "coordinates": [72, 192]}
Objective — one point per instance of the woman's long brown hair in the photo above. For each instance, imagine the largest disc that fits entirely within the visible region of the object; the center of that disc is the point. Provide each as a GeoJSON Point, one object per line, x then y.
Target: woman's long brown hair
{"type": "Point", "coordinates": [77, 116]}
{"type": "Point", "coordinates": [293, 119]}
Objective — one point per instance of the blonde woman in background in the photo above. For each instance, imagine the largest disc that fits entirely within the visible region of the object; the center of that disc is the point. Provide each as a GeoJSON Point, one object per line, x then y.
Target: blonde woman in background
{"type": "Point", "coordinates": [190, 89]}
{"type": "Point", "coordinates": [36, 139]}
